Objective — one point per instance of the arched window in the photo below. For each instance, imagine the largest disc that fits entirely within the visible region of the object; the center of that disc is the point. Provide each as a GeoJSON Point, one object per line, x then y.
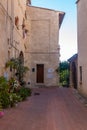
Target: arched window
{"type": "Point", "coordinates": [21, 57]}
{"type": "Point", "coordinates": [8, 55]}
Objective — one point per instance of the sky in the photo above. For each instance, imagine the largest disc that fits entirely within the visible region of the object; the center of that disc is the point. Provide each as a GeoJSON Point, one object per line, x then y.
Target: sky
{"type": "Point", "coordinates": [68, 30]}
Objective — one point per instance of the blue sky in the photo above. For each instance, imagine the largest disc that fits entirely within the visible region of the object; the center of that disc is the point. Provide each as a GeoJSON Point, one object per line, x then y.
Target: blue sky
{"type": "Point", "coordinates": [68, 30]}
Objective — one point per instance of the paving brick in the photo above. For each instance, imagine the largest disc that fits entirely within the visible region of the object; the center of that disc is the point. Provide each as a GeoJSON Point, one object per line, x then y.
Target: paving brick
{"type": "Point", "coordinates": [52, 109]}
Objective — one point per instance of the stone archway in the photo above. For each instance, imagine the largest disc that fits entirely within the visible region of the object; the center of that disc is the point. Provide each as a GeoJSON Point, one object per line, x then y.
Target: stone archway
{"type": "Point", "coordinates": [21, 57]}
{"type": "Point", "coordinates": [74, 75]}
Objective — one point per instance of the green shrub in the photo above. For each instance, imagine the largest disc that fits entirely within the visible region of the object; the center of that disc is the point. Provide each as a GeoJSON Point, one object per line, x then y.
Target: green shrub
{"type": "Point", "coordinates": [4, 95]}
{"type": "Point", "coordinates": [11, 92]}
{"type": "Point", "coordinates": [17, 64]}
{"type": "Point", "coordinates": [4, 99]}
{"type": "Point", "coordinates": [13, 85]}
{"type": "Point", "coordinates": [3, 84]}
{"type": "Point", "coordinates": [24, 92]}
{"type": "Point", "coordinates": [29, 91]}
{"type": "Point", "coordinates": [14, 98]}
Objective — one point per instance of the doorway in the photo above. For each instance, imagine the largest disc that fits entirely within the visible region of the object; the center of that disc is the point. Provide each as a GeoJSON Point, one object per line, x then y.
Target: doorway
{"type": "Point", "coordinates": [74, 75]}
{"type": "Point", "coordinates": [40, 73]}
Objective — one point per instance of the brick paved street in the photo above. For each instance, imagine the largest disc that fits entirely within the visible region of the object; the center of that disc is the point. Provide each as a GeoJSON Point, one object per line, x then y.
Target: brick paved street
{"type": "Point", "coordinates": [53, 109]}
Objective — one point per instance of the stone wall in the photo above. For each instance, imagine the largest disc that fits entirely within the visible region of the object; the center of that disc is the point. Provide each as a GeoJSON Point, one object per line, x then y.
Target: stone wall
{"type": "Point", "coordinates": [35, 32]}
{"type": "Point", "coordinates": [42, 45]}
{"type": "Point", "coordinates": [73, 66]}
{"type": "Point", "coordinates": [11, 37]}
{"type": "Point", "coordinates": [82, 45]}
{"type": "Point", "coordinates": [5, 32]}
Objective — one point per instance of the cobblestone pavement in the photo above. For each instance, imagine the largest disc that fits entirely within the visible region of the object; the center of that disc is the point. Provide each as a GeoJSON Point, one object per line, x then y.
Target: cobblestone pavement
{"type": "Point", "coordinates": [51, 109]}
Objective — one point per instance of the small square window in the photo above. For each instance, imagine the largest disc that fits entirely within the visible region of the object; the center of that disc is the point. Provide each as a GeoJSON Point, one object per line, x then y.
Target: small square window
{"type": "Point", "coordinates": [33, 69]}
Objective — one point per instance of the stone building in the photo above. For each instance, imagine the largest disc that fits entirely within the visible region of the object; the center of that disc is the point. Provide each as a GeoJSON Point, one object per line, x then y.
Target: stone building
{"type": "Point", "coordinates": [73, 65]}
{"type": "Point", "coordinates": [5, 32]}
{"type": "Point", "coordinates": [42, 45]}
{"type": "Point", "coordinates": [34, 33]}
{"type": "Point", "coordinates": [82, 45]}
{"type": "Point", "coordinates": [13, 30]}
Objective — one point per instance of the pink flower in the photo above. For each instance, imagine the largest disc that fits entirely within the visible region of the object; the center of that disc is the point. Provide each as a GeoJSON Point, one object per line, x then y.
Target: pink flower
{"type": "Point", "coordinates": [1, 113]}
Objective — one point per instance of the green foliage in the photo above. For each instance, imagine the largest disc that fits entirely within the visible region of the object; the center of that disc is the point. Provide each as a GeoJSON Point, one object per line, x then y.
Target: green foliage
{"type": "Point", "coordinates": [64, 77]}
{"type": "Point", "coordinates": [13, 63]}
{"type": "Point", "coordinates": [14, 85]}
{"type": "Point", "coordinates": [64, 73]}
{"type": "Point", "coordinates": [21, 71]}
{"type": "Point", "coordinates": [18, 66]}
{"type": "Point", "coordinates": [3, 84]}
{"type": "Point", "coordinates": [14, 98]}
{"type": "Point", "coordinates": [11, 92]}
{"type": "Point", "coordinates": [9, 99]}
{"type": "Point", "coordinates": [4, 99]}
{"type": "Point", "coordinates": [4, 95]}
{"type": "Point", "coordinates": [63, 66]}
{"type": "Point", "coordinates": [28, 91]}
{"type": "Point", "coordinates": [24, 92]}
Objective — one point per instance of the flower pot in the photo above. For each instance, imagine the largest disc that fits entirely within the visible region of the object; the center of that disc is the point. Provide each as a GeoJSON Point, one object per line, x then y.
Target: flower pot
{"type": "Point", "coordinates": [1, 113]}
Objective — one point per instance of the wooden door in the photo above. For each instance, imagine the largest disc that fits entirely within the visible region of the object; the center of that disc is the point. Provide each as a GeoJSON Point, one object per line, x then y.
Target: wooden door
{"type": "Point", "coordinates": [40, 73]}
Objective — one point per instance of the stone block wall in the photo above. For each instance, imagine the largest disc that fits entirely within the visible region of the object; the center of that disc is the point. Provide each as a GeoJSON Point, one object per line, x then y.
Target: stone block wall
{"type": "Point", "coordinates": [42, 45]}
{"type": "Point", "coordinates": [11, 37]}
{"type": "Point", "coordinates": [82, 45]}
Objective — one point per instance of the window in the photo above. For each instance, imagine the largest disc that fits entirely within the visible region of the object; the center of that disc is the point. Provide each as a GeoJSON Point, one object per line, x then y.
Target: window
{"type": "Point", "coordinates": [17, 22]}
{"type": "Point", "coordinates": [8, 55]}
{"type": "Point", "coordinates": [80, 69]}
{"type": "Point", "coordinates": [8, 40]}
{"type": "Point", "coordinates": [33, 69]}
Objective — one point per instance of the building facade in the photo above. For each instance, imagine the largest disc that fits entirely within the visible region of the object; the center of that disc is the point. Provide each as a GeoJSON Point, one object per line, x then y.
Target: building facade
{"type": "Point", "coordinates": [13, 30]}
{"type": "Point", "coordinates": [34, 33]}
{"type": "Point", "coordinates": [42, 46]}
{"type": "Point", "coordinates": [82, 45]}
{"type": "Point", "coordinates": [73, 66]}
{"type": "Point", "coordinates": [5, 29]}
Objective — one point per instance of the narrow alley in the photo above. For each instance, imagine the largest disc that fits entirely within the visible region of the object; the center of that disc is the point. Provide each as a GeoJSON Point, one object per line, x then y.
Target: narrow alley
{"type": "Point", "coordinates": [47, 109]}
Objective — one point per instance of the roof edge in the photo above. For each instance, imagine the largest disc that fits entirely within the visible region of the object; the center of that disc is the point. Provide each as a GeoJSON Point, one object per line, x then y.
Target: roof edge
{"type": "Point", "coordinates": [61, 17]}
{"type": "Point", "coordinates": [28, 2]}
{"type": "Point", "coordinates": [61, 13]}
{"type": "Point", "coordinates": [45, 8]}
{"type": "Point", "coordinates": [77, 1]}
{"type": "Point", "coordinates": [73, 57]}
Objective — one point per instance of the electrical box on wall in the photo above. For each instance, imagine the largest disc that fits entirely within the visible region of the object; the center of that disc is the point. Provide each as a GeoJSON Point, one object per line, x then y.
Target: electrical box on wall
{"type": "Point", "coordinates": [33, 69]}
